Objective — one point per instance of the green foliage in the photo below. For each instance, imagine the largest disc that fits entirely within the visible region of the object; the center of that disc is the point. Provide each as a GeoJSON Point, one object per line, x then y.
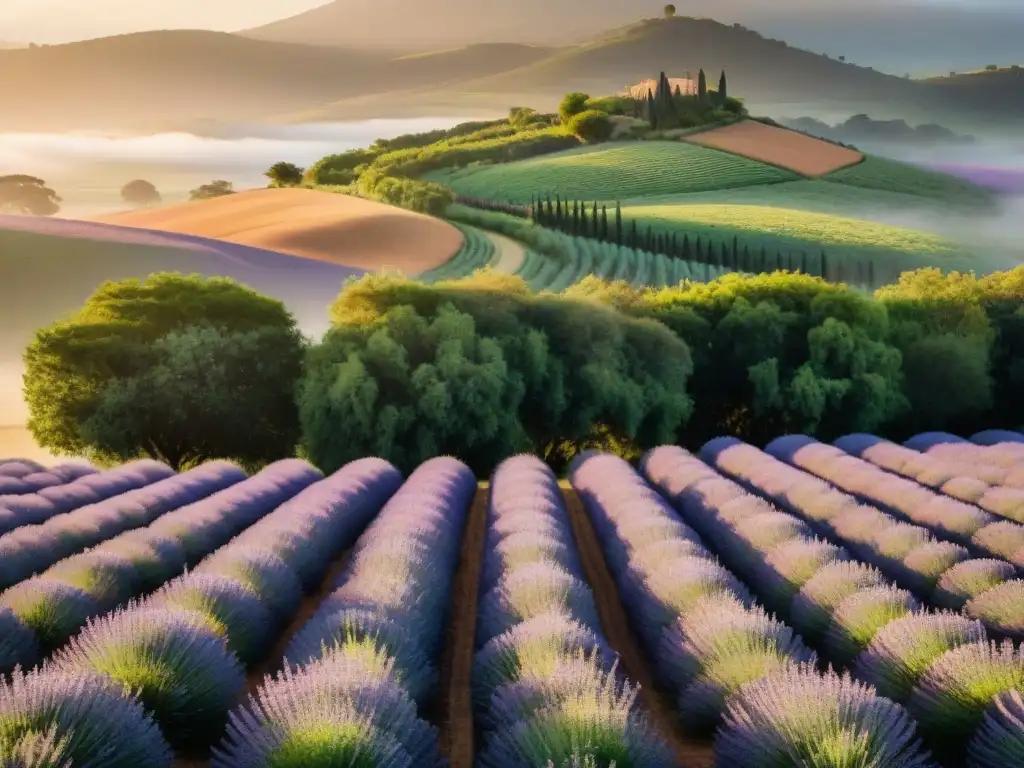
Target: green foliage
{"type": "Point", "coordinates": [218, 188]}
{"type": "Point", "coordinates": [340, 169]}
{"type": "Point", "coordinates": [670, 11]}
{"type": "Point", "coordinates": [481, 369]}
{"type": "Point", "coordinates": [462, 130]}
{"type": "Point", "coordinates": [178, 368]}
{"type": "Point", "coordinates": [611, 105]}
{"type": "Point", "coordinates": [614, 171]}
{"type": "Point", "coordinates": [140, 192]}
{"type": "Point", "coordinates": [284, 174]}
{"type": "Point", "coordinates": [777, 353]}
{"type": "Point", "coordinates": [27, 195]}
{"type": "Point", "coordinates": [591, 126]}
{"type": "Point", "coordinates": [572, 104]}
{"type": "Point", "coordinates": [422, 196]}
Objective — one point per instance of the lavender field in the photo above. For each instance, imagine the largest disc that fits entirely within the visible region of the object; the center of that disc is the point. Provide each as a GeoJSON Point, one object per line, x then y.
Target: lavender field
{"type": "Point", "coordinates": [838, 605]}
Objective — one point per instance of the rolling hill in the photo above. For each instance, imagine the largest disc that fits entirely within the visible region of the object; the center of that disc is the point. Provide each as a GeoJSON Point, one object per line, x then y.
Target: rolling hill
{"type": "Point", "coordinates": [170, 79]}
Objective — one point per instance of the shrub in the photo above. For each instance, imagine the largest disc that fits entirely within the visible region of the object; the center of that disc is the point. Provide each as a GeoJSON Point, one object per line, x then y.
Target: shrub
{"type": "Point", "coordinates": [572, 104]}
{"type": "Point", "coordinates": [591, 125]}
{"type": "Point", "coordinates": [140, 192]}
{"type": "Point", "coordinates": [285, 174]}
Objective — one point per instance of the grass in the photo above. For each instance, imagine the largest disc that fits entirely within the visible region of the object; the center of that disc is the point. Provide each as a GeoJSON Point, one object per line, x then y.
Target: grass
{"type": "Point", "coordinates": [613, 172]}
{"type": "Point", "coordinates": [477, 251]}
{"type": "Point", "coordinates": [791, 229]}
{"type": "Point", "coordinates": [892, 176]}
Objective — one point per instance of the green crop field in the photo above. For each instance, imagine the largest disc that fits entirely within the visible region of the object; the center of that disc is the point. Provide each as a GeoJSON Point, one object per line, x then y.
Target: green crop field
{"type": "Point", "coordinates": [892, 176]}
{"type": "Point", "coordinates": [792, 229]}
{"type": "Point", "coordinates": [613, 172]}
{"type": "Point", "coordinates": [477, 251]}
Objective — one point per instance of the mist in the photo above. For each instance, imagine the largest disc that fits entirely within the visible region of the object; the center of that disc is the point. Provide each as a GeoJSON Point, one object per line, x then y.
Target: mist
{"type": "Point", "coordinates": [88, 169]}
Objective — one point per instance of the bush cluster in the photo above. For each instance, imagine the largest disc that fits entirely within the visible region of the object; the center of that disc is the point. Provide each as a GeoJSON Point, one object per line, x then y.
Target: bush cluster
{"type": "Point", "coordinates": [182, 369]}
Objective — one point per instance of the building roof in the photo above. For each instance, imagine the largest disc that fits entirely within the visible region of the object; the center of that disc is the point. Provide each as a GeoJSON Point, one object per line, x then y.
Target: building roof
{"type": "Point", "coordinates": [639, 91]}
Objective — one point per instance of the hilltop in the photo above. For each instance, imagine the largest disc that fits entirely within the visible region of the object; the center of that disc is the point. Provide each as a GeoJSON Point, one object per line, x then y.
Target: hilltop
{"type": "Point", "coordinates": [999, 90]}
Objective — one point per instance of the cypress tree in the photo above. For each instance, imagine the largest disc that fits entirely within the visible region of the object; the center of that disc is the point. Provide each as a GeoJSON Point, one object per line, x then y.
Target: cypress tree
{"type": "Point", "coordinates": [871, 274]}
{"type": "Point", "coordinates": [648, 239]}
{"type": "Point", "coordinates": [594, 222]}
{"type": "Point", "coordinates": [698, 252]}
{"type": "Point", "coordinates": [634, 235]}
{"type": "Point", "coordinates": [652, 116]}
{"type": "Point", "coordinates": [584, 224]}
{"type": "Point", "coordinates": [674, 247]}
{"type": "Point", "coordinates": [678, 93]}
{"type": "Point", "coordinates": [763, 260]}
{"type": "Point", "coordinates": [735, 251]}
{"type": "Point", "coordinates": [702, 87]}
{"type": "Point", "coordinates": [723, 89]}
{"type": "Point", "coordinates": [823, 266]}
{"type": "Point", "coordinates": [747, 265]}
{"type": "Point", "coordinates": [686, 247]}
{"type": "Point", "coordinates": [805, 264]}
{"type": "Point", "coordinates": [604, 223]}
{"type": "Point", "coordinates": [575, 217]}
{"type": "Point", "coordinates": [618, 223]}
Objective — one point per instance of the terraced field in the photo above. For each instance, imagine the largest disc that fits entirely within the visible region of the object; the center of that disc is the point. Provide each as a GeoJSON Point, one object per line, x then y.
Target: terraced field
{"type": "Point", "coordinates": [613, 172]}
{"type": "Point", "coordinates": [507, 625]}
{"type": "Point", "coordinates": [477, 251]}
{"type": "Point", "coordinates": [892, 176]}
{"type": "Point", "coordinates": [792, 229]}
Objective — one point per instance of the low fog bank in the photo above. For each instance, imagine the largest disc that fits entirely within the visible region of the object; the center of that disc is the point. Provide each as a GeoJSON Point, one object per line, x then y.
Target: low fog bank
{"type": "Point", "coordinates": [88, 169]}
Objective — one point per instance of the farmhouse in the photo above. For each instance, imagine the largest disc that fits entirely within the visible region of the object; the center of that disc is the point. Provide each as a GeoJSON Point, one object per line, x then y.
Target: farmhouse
{"type": "Point", "coordinates": [686, 86]}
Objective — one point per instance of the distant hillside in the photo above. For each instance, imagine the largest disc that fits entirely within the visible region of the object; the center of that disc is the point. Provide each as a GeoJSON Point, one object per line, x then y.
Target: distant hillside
{"type": "Point", "coordinates": [999, 91]}
{"type": "Point", "coordinates": [861, 128]}
{"type": "Point", "coordinates": [758, 67]}
{"type": "Point", "coordinates": [897, 37]}
{"type": "Point", "coordinates": [174, 78]}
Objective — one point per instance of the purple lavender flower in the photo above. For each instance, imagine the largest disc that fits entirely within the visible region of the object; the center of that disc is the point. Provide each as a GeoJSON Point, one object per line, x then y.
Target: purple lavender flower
{"type": "Point", "coordinates": [860, 617]}
{"type": "Point", "coordinates": [903, 649]}
{"type": "Point", "coordinates": [179, 669]}
{"type": "Point", "coordinates": [970, 578]}
{"type": "Point", "coordinates": [818, 599]}
{"type": "Point", "coordinates": [156, 558]}
{"type": "Point", "coordinates": [530, 591]}
{"type": "Point", "coordinates": [94, 723]}
{"type": "Point", "coordinates": [999, 742]}
{"type": "Point", "coordinates": [334, 712]}
{"type": "Point", "coordinates": [1000, 609]}
{"type": "Point", "coordinates": [18, 645]}
{"type": "Point", "coordinates": [790, 566]}
{"type": "Point", "coordinates": [53, 611]}
{"type": "Point", "coordinates": [231, 609]}
{"type": "Point", "coordinates": [107, 578]}
{"type": "Point", "coordinates": [1000, 539]}
{"type": "Point", "coordinates": [951, 697]}
{"type": "Point", "coordinates": [798, 717]}
{"type": "Point", "coordinates": [926, 564]}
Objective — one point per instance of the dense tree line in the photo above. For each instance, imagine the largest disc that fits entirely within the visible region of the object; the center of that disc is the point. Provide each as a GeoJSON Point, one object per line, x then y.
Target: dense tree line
{"type": "Point", "coordinates": [185, 369]}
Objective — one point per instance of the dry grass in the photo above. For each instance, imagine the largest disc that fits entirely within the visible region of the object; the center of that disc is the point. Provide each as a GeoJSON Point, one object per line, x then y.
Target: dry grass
{"type": "Point", "coordinates": [316, 225]}
{"type": "Point", "coordinates": [778, 146]}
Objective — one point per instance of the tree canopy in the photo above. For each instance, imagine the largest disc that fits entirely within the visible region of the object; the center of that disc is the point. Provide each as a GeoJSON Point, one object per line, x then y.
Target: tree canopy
{"type": "Point", "coordinates": [572, 104]}
{"type": "Point", "coordinates": [140, 192]}
{"type": "Point", "coordinates": [285, 174]}
{"type": "Point", "coordinates": [481, 369]}
{"type": "Point", "coordinates": [670, 11]}
{"type": "Point", "coordinates": [20, 193]}
{"type": "Point", "coordinates": [178, 368]}
{"type": "Point", "coordinates": [218, 188]}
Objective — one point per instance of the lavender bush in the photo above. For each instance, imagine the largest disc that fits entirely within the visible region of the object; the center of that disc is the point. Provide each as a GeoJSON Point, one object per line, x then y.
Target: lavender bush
{"type": "Point", "coordinates": [79, 720]}
{"type": "Point", "coordinates": [968, 579]}
{"type": "Point", "coordinates": [170, 660]}
{"type": "Point", "coordinates": [798, 717]}
{"type": "Point", "coordinates": [18, 645]}
{"type": "Point", "coordinates": [999, 742]}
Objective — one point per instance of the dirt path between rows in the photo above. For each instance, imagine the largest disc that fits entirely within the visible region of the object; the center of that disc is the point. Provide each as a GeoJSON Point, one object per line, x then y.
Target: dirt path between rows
{"type": "Point", "coordinates": [272, 661]}
{"type": "Point", "coordinates": [510, 254]}
{"type": "Point", "coordinates": [692, 753]}
{"type": "Point", "coordinates": [455, 715]}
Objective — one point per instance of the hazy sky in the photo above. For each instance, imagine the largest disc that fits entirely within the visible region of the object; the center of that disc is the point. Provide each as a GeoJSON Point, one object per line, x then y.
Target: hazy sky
{"type": "Point", "coordinates": [54, 21]}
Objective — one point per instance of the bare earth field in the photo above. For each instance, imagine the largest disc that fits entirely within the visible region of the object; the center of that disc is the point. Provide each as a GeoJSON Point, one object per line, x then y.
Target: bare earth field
{"type": "Point", "coordinates": [316, 225]}
{"type": "Point", "coordinates": [778, 146]}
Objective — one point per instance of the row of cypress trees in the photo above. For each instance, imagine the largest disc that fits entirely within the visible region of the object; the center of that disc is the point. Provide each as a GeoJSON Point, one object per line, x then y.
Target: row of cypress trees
{"type": "Point", "coordinates": [662, 106]}
{"type": "Point", "coordinates": [597, 223]}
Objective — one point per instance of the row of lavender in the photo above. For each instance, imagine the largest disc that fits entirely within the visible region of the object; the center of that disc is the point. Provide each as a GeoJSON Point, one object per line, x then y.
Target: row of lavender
{"type": "Point", "coordinates": [39, 506]}
{"type": "Point", "coordinates": [32, 548]}
{"type": "Point", "coordinates": [45, 611]}
{"type": "Point", "coordinates": [948, 518]}
{"type": "Point", "coordinates": [989, 477]}
{"type": "Point", "coordinates": [164, 672]}
{"type": "Point", "coordinates": [960, 687]}
{"type": "Point", "coordinates": [361, 669]}
{"type": "Point", "coordinates": [940, 573]}
{"type": "Point", "coordinates": [19, 476]}
{"type": "Point", "coordinates": [732, 667]}
{"type": "Point", "coordinates": [546, 685]}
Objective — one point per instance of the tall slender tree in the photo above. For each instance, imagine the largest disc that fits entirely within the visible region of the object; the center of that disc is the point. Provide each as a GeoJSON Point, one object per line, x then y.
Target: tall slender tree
{"type": "Point", "coordinates": [575, 217]}
{"type": "Point", "coordinates": [702, 87]}
{"type": "Point", "coordinates": [686, 247]}
{"type": "Point", "coordinates": [634, 235]}
{"type": "Point", "coordinates": [618, 223]}
{"type": "Point", "coordinates": [584, 223]}
{"type": "Point", "coordinates": [652, 112]}
{"type": "Point", "coordinates": [604, 223]}
{"type": "Point", "coordinates": [723, 89]}
{"type": "Point", "coordinates": [594, 223]}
